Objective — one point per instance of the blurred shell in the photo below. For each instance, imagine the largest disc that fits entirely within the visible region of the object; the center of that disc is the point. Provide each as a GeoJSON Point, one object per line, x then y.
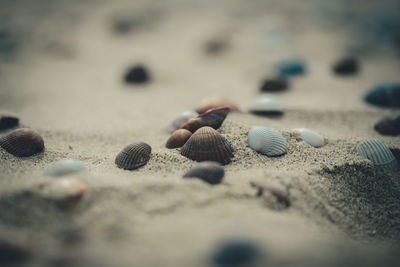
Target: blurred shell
{"type": "Point", "coordinates": [267, 141]}
{"type": "Point", "coordinates": [22, 142]}
{"type": "Point", "coordinates": [291, 67]}
{"type": "Point", "coordinates": [346, 66]}
{"type": "Point", "coordinates": [212, 118]}
{"type": "Point", "coordinates": [178, 138]}
{"type": "Point", "coordinates": [376, 151]}
{"type": "Point", "coordinates": [274, 84]}
{"type": "Point", "coordinates": [237, 252]}
{"type": "Point", "coordinates": [137, 74]}
{"type": "Point", "coordinates": [208, 144]}
{"type": "Point", "coordinates": [309, 137]}
{"type": "Point", "coordinates": [384, 95]}
{"type": "Point", "coordinates": [208, 171]}
{"type": "Point", "coordinates": [266, 105]}
{"type": "Point", "coordinates": [8, 120]}
{"type": "Point", "coordinates": [389, 125]}
{"type": "Point", "coordinates": [133, 156]}
{"type": "Point", "coordinates": [181, 119]}
{"type": "Point", "coordinates": [216, 102]}
{"type": "Point", "coordinates": [64, 167]}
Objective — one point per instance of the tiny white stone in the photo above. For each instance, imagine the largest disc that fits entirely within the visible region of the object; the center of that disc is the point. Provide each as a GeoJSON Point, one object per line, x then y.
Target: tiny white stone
{"type": "Point", "coordinates": [266, 103]}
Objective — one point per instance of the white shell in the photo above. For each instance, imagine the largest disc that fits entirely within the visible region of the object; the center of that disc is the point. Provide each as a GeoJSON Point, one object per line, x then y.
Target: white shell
{"type": "Point", "coordinates": [267, 141]}
{"type": "Point", "coordinates": [376, 151]}
{"type": "Point", "coordinates": [64, 167]}
{"type": "Point", "coordinates": [181, 119]}
{"type": "Point", "coordinates": [266, 103]}
{"type": "Point", "coordinates": [310, 137]}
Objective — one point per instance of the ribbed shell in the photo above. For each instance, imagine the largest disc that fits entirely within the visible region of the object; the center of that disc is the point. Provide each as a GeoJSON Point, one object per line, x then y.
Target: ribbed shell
{"type": "Point", "coordinates": [64, 167]}
{"type": "Point", "coordinates": [389, 125]}
{"type": "Point", "coordinates": [178, 138]}
{"type": "Point", "coordinates": [216, 102]}
{"type": "Point", "coordinates": [133, 156]}
{"type": "Point", "coordinates": [384, 95]}
{"type": "Point", "coordinates": [207, 144]}
{"type": "Point", "coordinates": [376, 151]}
{"type": "Point", "coordinates": [310, 137]}
{"type": "Point", "coordinates": [266, 141]}
{"type": "Point", "coordinates": [22, 142]}
{"type": "Point", "coordinates": [212, 118]}
{"type": "Point", "coordinates": [181, 119]}
{"type": "Point", "coordinates": [8, 120]}
{"type": "Point", "coordinates": [208, 171]}
{"type": "Point", "coordinates": [266, 105]}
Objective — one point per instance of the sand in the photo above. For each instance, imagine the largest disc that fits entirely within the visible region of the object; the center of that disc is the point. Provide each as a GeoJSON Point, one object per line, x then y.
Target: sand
{"type": "Point", "coordinates": [65, 81]}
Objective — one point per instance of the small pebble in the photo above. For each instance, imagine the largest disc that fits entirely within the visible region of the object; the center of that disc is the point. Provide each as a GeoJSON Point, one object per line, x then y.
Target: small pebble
{"type": "Point", "coordinates": [236, 253]}
{"type": "Point", "coordinates": [291, 68]}
{"type": "Point", "coordinates": [209, 171]}
{"type": "Point", "coordinates": [138, 74]}
{"type": "Point", "coordinates": [346, 66]}
{"type": "Point", "coordinates": [274, 84]}
{"type": "Point", "coordinates": [8, 120]}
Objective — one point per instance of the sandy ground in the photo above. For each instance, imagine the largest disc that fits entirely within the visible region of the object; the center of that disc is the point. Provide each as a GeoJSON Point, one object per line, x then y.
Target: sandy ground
{"type": "Point", "coordinates": [66, 82]}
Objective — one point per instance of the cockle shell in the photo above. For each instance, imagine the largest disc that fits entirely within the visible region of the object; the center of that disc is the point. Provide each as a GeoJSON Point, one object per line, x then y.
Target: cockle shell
{"type": "Point", "coordinates": [133, 156]}
{"type": "Point", "coordinates": [310, 137]}
{"type": "Point", "coordinates": [385, 95]}
{"type": "Point", "coordinates": [137, 74]}
{"type": "Point", "coordinates": [292, 67]}
{"type": "Point", "coordinates": [266, 141]}
{"type": "Point", "coordinates": [266, 104]}
{"type": "Point", "coordinates": [178, 138]}
{"type": "Point", "coordinates": [64, 167]}
{"type": "Point", "coordinates": [346, 66]}
{"type": "Point", "coordinates": [208, 171]}
{"type": "Point", "coordinates": [212, 118]}
{"type": "Point", "coordinates": [22, 142]}
{"type": "Point", "coordinates": [181, 119]}
{"type": "Point", "coordinates": [389, 125]}
{"type": "Point", "coordinates": [8, 120]}
{"type": "Point", "coordinates": [208, 144]}
{"type": "Point", "coordinates": [376, 151]}
{"type": "Point", "coordinates": [274, 84]}
{"type": "Point", "coordinates": [216, 102]}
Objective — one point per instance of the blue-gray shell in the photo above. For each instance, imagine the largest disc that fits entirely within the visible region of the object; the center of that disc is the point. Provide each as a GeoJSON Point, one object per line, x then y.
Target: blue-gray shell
{"type": "Point", "coordinates": [376, 151]}
{"type": "Point", "coordinates": [266, 141]}
{"type": "Point", "coordinates": [64, 167]}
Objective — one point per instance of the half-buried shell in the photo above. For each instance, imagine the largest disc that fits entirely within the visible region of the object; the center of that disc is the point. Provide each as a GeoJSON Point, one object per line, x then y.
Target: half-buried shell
{"type": "Point", "coordinates": [180, 119]}
{"type": "Point", "coordinates": [209, 171]}
{"type": "Point", "coordinates": [266, 105]}
{"type": "Point", "coordinates": [178, 138]}
{"type": "Point", "coordinates": [216, 102]}
{"type": "Point", "coordinates": [22, 142]}
{"type": "Point", "coordinates": [212, 118]}
{"type": "Point", "coordinates": [266, 141]}
{"type": "Point", "coordinates": [309, 137]}
{"type": "Point", "coordinates": [206, 144]}
{"type": "Point", "coordinates": [376, 151]}
{"type": "Point", "coordinates": [389, 125]}
{"type": "Point", "coordinates": [64, 167]}
{"type": "Point", "coordinates": [133, 156]}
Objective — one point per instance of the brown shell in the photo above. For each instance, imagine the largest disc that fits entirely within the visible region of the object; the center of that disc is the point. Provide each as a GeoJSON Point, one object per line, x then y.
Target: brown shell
{"type": "Point", "coordinates": [208, 144]}
{"type": "Point", "coordinates": [65, 191]}
{"type": "Point", "coordinates": [213, 118]}
{"type": "Point", "coordinates": [178, 138]}
{"type": "Point", "coordinates": [133, 156]}
{"type": "Point", "coordinates": [8, 120]}
{"type": "Point", "coordinates": [22, 142]}
{"type": "Point", "coordinates": [217, 102]}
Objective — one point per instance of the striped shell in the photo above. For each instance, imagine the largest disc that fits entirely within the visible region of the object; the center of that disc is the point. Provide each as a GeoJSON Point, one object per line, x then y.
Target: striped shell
{"type": "Point", "coordinates": [208, 171]}
{"type": "Point", "coordinates": [212, 118]}
{"type": "Point", "coordinates": [376, 151]}
{"type": "Point", "coordinates": [64, 167]}
{"type": "Point", "coordinates": [133, 156]}
{"type": "Point", "coordinates": [266, 141]}
{"type": "Point", "coordinates": [22, 142]}
{"type": "Point", "coordinates": [266, 105]}
{"type": "Point", "coordinates": [310, 137]}
{"type": "Point", "coordinates": [216, 102]}
{"type": "Point", "coordinates": [8, 120]}
{"type": "Point", "coordinates": [274, 84]}
{"type": "Point", "coordinates": [389, 125]}
{"type": "Point", "coordinates": [178, 138]}
{"type": "Point", "coordinates": [181, 119]}
{"type": "Point", "coordinates": [208, 144]}
{"type": "Point", "coordinates": [385, 95]}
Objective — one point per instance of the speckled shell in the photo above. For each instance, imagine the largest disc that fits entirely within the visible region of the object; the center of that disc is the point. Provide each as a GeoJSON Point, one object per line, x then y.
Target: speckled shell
{"type": "Point", "coordinates": [22, 142]}
{"type": "Point", "coordinates": [64, 167]}
{"type": "Point", "coordinates": [310, 137]}
{"type": "Point", "coordinates": [178, 138]}
{"type": "Point", "coordinates": [65, 191]}
{"type": "Point", "coordinates": [384, 95]}
{"type": "Point", "coordinates": [266, 105]}
{"type": "Point", "coordinates": [133, 156]}
{"type": "Point", "coordinates": [208, 171]}
{"type": "Point", "coordinates": [212, 118]}
{"type": "Point", "coordinates": [8, 120]}
{"type": "Point", "coordinates": [208, 144]}
{"type": "Point", "coordinates": [389, 125]}
{"type": "Point", "coordinates": [274, 84]}
{"type": "Point", "coordinates": [266, 141]}
{"type": "Point", "coordinates": [216, 102]}
{"type": "Point", "coordinates": [376, 151]}
{"type": "Point", "coordinates": [181, 119]}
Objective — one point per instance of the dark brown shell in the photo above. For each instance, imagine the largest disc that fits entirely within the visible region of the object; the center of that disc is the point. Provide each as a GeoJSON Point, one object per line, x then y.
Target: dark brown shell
{"type": "Point", "coordinates": [8, 120]}
{"type": "Point", "coordinates": [212, 118]}
{"type": "Point", "coordinates": [389, 125]}
{"type": "Point", "coordinates": [210, 103]}
{"type": "Point", "coordinates": [208, 171]}
{"type": "Point", "coordinates": [178, 138]}
{"type": "Point", "coordinates": [133, 156]}
{"type": "Point", "coordinates": [22, 142]}
{"type": "Point", "coordinates": [208, 144]}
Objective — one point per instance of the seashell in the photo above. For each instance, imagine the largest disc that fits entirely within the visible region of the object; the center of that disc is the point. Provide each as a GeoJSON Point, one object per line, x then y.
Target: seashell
{"type": "Point", "coordinates": [389, 125]}
{"type": "Point", "coordinates": [64, 167]}
{"type": "Point", "coordinates": [292, 67]}
{"type": "Point", "coordinates": [22, 142]}
{"type": "Point", "coordinates": [274, 84]}
{"type": "Point", "coordinates": [208, 144]}
{"type": "Point", "coordinates": [266, 105]}
{"type": "Point", "coordinates": [178, 138]}
{"type": "Point", "coordinates": [236, 252]}
{"type": "Point", "coordinates": [8, 120]}
{"type": "Point", "coordinates": [266, 141]}
{"type": "Point", "coordinates": [181, 119]}
{"type": "Point", "coordinates": [137, 74]}
{"type": "Point", "coordinates": [216, 102]}
{"type": "Point", "coordinates": [133, 156]}
{"type": "Point", "coordinates": [376, 151]}
{"type": "Point", "coordinates": [384, 95]}
{"type": "Point", "coordinates": [208, 171]}
{"type": "Point", "coordinates": [212, 118]}
{"type": "Point", "coordinates": [310, 137]}
{"type": "Point", "coordinates": [346, 66]}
